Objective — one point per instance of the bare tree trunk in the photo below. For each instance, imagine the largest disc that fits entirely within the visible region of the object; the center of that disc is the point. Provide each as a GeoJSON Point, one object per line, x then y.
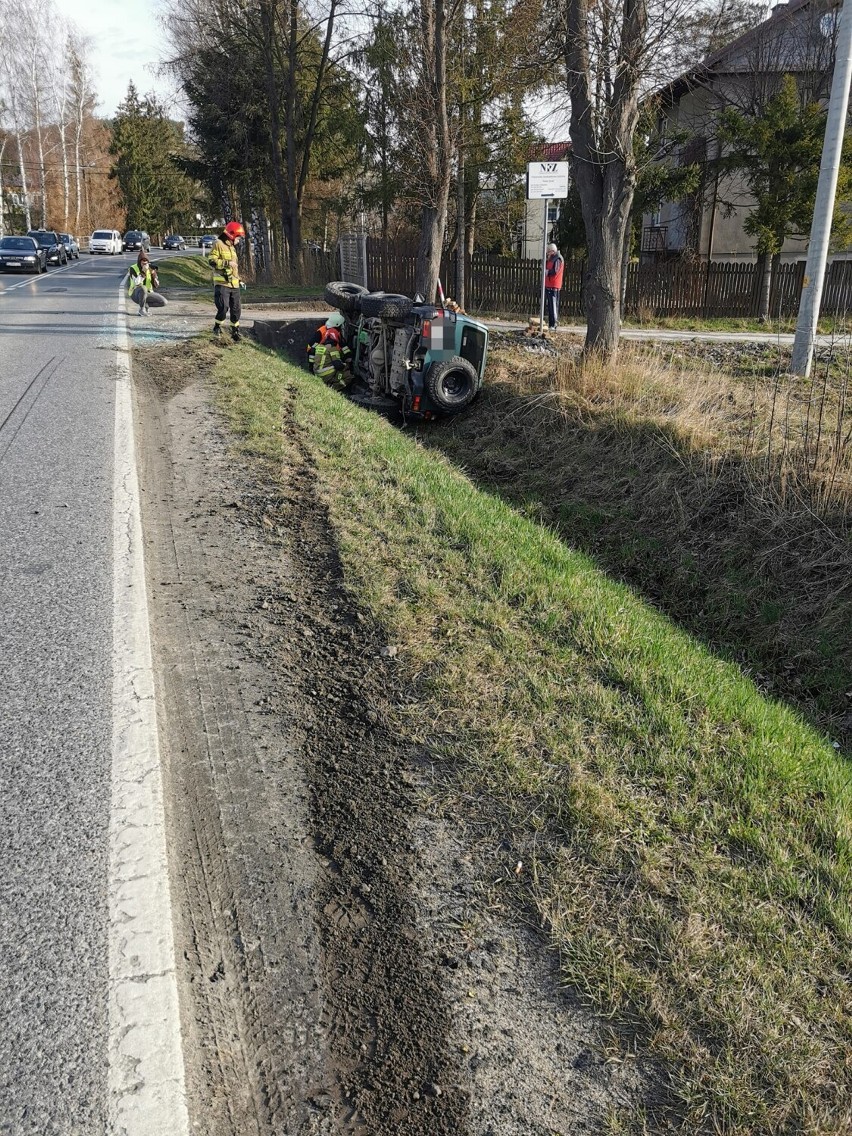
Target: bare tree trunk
{"type": "Point", "coordinates": [79, 95]}
{"type": "Point", "coordinates": [60, 102]}
{"type": "Point", "coordinates": [625, 268]}
{"type": "Point", "coordinates": [2, 211]}
{"type": "Point", "coordinates": [604, 95]}
{"type": "Point", "coordinates": [433, 224]}
{"type": "Point", "coordinates": [297, 166]}
{"type": "Point", "coordinates": [23, 172]}
{"type": "Point", "coordinates": [268, 38]}
{"type": "Point", "coordinates": [766, 263]}
{"type": "Point", "coordinates": [461, 242]}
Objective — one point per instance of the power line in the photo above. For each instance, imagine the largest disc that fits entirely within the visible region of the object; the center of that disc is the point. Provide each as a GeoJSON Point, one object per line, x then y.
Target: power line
{"type": "Point", "coordinates": [34, 166]}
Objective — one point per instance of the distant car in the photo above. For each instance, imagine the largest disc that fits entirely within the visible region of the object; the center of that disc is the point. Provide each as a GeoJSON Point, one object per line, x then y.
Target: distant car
{"type": "Point", "coordinates": [72, 248]}
{"type": "Point", "coordinates": [50, 242]}
{"type": "Point", "coordinates": [22, 254]}
{"type": "Point", "coordinates": [105, 241]}
{"type": "Point", "coordinates": [207, 243]}
{"type": "Point", "coordinates": [175, 241]}
{"type": "Point", "coordinates": [136, 239]}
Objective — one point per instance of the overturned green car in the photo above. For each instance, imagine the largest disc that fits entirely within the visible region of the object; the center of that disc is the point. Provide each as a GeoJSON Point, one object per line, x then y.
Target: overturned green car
{"type": "Point", "coordinates": [427, 360]}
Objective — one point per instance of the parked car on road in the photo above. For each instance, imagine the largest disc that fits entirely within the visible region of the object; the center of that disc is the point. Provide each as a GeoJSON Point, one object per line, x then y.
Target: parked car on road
{"type": "Point", "coordinates": [136, 239]}
{"type": "Point", "coordinates": [105, 241]}
{"type": "Point", "coordinates": [22, 254]}
{"type": "Point", "coordinates": [426, 360]}
{"type": "Point", "coordinates": [72, 248]}
{"type": "Point", "coordinates": [206, 243]}
{"type": "Point", "coordinates": [50, 242]}
{"type": "Point", "coordinates": [174, 241]}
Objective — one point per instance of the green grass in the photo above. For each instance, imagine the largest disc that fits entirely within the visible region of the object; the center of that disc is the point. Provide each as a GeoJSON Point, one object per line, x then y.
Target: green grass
{"type": "Point", "coordinates": [686, 840]}
{"type": "Point", "coordinates": [188, 271]}
{"type": "Point", "coordinates": [193, 272]}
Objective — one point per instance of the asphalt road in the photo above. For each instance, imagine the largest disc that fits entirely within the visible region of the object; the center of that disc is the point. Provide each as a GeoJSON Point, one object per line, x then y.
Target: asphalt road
{"type": "Point", "coordinates": [64, 400]}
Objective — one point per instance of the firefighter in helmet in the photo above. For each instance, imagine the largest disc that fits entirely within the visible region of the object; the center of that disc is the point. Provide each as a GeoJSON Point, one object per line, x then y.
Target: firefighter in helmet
{"type": "Point", "coordinates": [329, 355]}
{"type": "Point", "coordinates": [226, 278]}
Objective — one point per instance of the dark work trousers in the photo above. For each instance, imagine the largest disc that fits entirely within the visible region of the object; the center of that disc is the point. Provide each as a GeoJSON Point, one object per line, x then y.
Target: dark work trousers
{"type": "Point", "coordinates": [227, 300]}
{"type": "Point", "coordinates": [551, 306]}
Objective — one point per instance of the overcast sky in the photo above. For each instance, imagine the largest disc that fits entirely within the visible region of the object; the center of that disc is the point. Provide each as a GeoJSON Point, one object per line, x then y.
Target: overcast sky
{"type": "Point", "coordinates": [126, 43]}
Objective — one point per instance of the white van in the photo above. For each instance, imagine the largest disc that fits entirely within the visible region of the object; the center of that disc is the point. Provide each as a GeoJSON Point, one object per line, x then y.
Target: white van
{"type": "Point", "coordinates": [105, 240]}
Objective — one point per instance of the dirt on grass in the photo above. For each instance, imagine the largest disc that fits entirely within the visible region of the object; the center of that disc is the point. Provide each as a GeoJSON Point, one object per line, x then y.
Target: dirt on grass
{"type": "Point", "coordinates": [351, 959]}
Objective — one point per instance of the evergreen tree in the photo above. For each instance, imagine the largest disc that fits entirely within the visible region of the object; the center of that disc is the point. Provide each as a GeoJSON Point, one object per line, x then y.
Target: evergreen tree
{"type": "Point", "coordinates": [775, 159]}
{"type": "Point", "coordinates": [146, 149]}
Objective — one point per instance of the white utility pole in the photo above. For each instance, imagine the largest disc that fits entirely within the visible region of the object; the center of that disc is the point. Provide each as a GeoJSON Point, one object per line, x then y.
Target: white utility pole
{"type": "Point", "coordinates": [835, 127]}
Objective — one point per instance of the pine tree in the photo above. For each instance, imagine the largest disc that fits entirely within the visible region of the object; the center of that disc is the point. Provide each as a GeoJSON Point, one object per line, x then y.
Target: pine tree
{"type": "Point", "coordinates": [146, 147]}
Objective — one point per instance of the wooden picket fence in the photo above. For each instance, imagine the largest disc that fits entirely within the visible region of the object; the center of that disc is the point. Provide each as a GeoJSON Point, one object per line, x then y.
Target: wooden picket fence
{"type": "Point", "coordinates": [506, 285]}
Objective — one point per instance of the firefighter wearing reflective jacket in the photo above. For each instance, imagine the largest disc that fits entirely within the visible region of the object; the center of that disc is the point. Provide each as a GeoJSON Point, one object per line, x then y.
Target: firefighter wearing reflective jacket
{"type": "Point", "coordinates": [328, 354]}
{"type": "Point", "coordinates": [226, 278]}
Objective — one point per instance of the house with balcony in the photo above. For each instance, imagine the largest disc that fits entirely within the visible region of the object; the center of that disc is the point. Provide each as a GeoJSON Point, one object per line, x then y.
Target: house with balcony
{"type": "Point", "coordinates": [798, 39]}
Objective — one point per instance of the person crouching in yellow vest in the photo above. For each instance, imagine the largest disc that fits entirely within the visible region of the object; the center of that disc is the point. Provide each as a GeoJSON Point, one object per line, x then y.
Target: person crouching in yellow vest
{"type": "Point", "coordinates": [330, 357]}
{"type": "Point", "coordinates": [142, 285]}
{"type": "Point", "coordinates": [226, 278]}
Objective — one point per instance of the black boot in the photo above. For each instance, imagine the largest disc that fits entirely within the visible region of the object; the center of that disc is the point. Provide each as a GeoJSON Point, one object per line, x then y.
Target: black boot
{"type": "Point", "coordinates": [217, 331]}
{"type": "Point", "coordinates": [235, 332]}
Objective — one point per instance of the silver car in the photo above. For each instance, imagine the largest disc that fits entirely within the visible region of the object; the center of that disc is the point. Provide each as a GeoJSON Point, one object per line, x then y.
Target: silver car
{"type": "Point", "coordinates": [72, 247]}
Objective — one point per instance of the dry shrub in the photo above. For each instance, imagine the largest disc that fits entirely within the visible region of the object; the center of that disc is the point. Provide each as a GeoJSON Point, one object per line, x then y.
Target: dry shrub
{"type": "Point", "coordinates": [792, 436]}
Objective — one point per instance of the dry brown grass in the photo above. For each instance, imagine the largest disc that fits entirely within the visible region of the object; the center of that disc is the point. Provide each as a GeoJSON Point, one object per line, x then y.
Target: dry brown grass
{"type": "Point", "coordinates": [791, 438]}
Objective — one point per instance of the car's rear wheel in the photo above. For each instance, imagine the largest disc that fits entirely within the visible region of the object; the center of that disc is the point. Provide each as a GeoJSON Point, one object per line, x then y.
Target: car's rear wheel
{"type": "Point", "coordinates": [344, 296]}
{"type": "Point", "coordinates": [452, 384]}
{"type": "Point", "coordinates": [385, 305]}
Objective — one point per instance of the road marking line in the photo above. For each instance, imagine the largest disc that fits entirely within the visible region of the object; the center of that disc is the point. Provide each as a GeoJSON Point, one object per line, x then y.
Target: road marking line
{"type": "Point", "coordinates": [146, 1072]}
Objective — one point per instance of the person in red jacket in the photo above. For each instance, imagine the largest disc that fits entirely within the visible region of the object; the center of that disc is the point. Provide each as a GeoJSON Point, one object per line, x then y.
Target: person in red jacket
{"type": "Point", "coordinates": [553, 269]}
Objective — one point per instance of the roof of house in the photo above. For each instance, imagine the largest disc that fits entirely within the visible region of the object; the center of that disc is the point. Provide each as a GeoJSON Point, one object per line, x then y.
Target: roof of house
{"type": "Point", "coordinates": [711, 65]}
{"type": "Point", "coordinates": [549, 151]}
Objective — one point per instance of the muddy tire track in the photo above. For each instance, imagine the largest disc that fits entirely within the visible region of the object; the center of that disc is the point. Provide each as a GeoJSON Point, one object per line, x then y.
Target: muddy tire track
{"type": "Point", "coordinates": [306, 1002]}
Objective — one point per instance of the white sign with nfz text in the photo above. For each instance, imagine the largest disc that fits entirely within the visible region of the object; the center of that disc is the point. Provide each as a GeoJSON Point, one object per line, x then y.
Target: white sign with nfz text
{"type": "Point", "coordinates": [547, 179]}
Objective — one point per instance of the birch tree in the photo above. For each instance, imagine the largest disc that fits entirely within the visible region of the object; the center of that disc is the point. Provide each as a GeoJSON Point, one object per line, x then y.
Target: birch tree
{"type": "Point", "coordinates": [28, 20]}
{"type": "Point", "coordinates": [11, 80]}
{"type": "Point", "coordinates": [81, 101]}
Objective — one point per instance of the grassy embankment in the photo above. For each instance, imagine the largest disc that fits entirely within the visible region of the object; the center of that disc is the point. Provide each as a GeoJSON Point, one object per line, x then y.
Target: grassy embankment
{"type": "Point", "coordinates": [191, 273]}
{"type": "Point", "coordinates": [687, 839]}
{"type": "Point", "coordinates": [716, 485]}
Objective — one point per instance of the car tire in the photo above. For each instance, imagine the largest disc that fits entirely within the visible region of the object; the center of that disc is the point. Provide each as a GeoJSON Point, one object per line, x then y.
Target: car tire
{"type": "Point", "coordinates": [385, 305]}
{"type": "Point", "coordinates": [452, 384]}
{"type": "Point", "coordinates": [344, 296]}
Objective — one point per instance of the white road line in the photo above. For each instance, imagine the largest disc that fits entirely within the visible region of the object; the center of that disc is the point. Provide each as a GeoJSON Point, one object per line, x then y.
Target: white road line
{"type": "Point", "coordinates": [40, 276]}
{"type": "Point", "coordinates": [146, 1073]}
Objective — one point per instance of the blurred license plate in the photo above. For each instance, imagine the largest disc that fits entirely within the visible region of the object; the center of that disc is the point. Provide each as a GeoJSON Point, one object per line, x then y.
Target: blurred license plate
{"type": "Point", "coordinates": [13, 264]}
